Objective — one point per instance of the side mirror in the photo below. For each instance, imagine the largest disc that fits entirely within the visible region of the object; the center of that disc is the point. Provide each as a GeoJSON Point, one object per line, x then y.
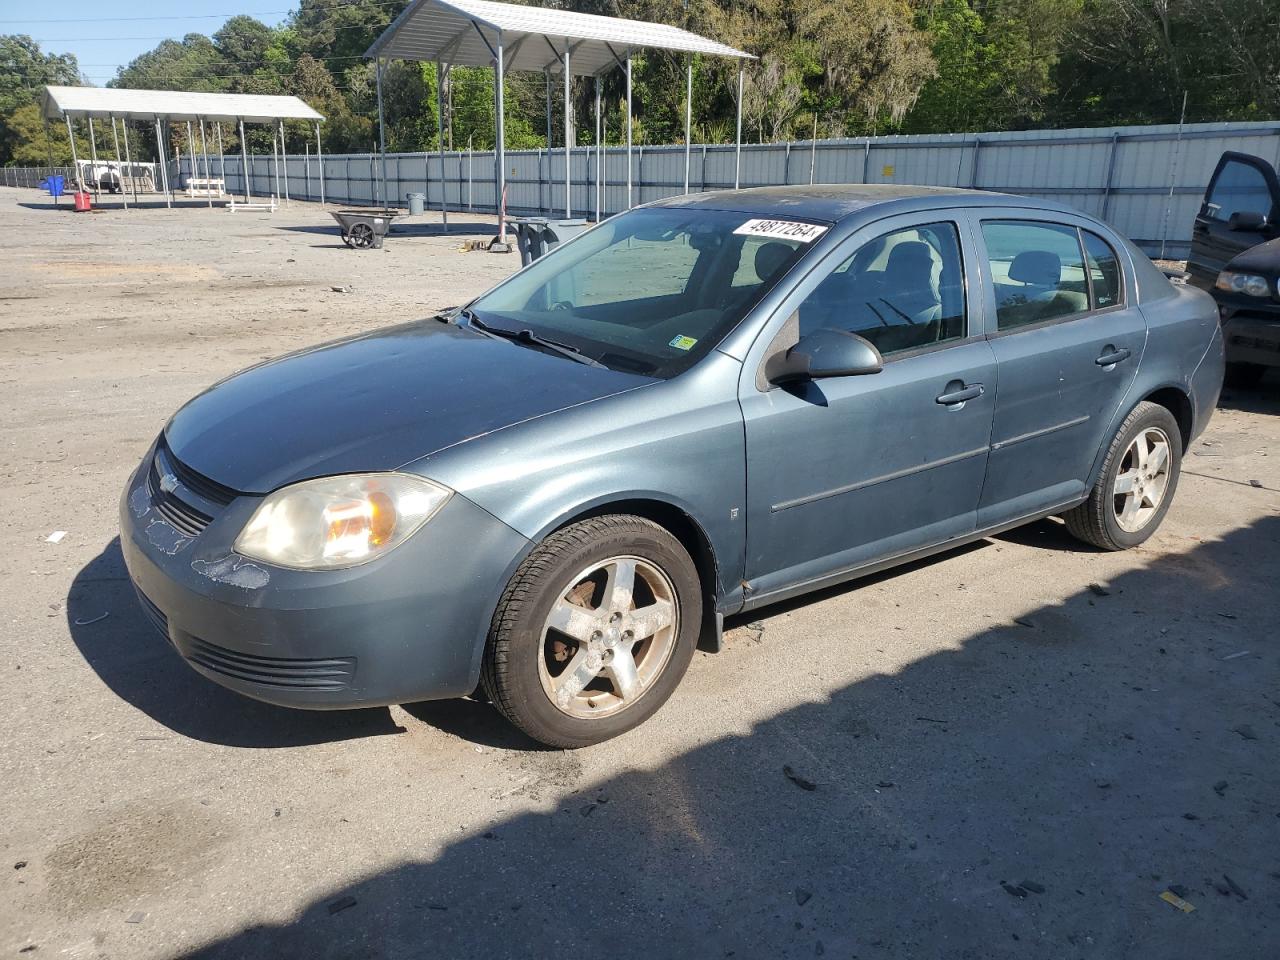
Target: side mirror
{"type": "Point", "coordinates": [1247, 221]}
{"type": "Point", "coordinates": [825, 353]}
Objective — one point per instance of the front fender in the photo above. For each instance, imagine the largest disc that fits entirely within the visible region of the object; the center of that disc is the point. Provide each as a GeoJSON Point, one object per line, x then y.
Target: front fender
{"type": "Point", "coordinates": [678, 443]}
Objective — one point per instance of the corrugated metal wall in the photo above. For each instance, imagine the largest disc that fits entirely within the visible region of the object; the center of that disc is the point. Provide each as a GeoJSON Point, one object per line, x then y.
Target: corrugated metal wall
{"type": "Point", "coordinates": [1147, 181]}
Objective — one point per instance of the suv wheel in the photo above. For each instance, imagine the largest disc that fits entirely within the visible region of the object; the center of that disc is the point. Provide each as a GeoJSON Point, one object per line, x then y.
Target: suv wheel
{"type": "Point", "coordinates": [1137, 482]}
{"type": "Point", "coordinates": [594, 631]}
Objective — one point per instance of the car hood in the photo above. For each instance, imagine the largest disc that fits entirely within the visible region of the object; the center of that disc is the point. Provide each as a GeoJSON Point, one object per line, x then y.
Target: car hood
{"type": "Point", "coordinates": [1263, 259]}
{"type": "Point", "coordinates": [375, 402]}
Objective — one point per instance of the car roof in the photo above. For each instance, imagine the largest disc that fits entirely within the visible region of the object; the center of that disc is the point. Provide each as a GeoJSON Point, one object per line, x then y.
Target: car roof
{"type": "Point", "coordinates": [837, 201]}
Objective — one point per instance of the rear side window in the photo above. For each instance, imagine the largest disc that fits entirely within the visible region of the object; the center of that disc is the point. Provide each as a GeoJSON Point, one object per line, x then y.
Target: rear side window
{"type": "Point", "coordinates": [1239, 188]}
{"type": "Point", "coordinates": [1104, 271]}
{"type": "Point", "coordinates": [1037, 271]}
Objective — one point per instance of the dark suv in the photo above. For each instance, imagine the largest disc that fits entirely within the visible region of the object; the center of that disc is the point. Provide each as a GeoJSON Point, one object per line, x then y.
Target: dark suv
{"type": "Point", "coordinates": [1235, 255]}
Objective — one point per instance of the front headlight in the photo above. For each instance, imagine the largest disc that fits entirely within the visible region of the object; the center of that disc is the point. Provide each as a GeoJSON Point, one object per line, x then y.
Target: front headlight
{"type": "Point", "coordinates": [339, 521]}
{"type": "Point", "coordinates": [1247, 283]}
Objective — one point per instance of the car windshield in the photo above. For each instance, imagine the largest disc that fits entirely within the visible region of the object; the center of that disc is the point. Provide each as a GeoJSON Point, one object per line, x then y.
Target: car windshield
{"type": "Point", "coordinates": [650, 291]}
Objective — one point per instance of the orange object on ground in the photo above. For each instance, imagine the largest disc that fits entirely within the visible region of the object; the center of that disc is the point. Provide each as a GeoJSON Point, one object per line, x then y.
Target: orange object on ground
{"type": "Point", "coordinates": [82, 201]}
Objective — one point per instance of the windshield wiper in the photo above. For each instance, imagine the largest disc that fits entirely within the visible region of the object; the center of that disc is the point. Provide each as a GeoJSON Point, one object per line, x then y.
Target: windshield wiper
{"type": "Point", "coordinates": [528, 337]}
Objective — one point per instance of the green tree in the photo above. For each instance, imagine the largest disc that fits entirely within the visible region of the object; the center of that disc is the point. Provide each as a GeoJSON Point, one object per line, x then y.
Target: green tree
{"type": "Point", "coordinates": [24, 71]}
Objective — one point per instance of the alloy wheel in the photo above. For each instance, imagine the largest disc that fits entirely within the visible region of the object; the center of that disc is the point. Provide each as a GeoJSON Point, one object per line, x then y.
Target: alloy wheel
{"type": "Point", "coordinates": [608, 637]}
{"type": "Point", "coordinates": [1142, 480]}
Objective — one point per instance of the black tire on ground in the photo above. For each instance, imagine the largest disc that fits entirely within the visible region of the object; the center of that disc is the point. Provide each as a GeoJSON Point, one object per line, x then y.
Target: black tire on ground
{"type": "Point", "coordinates": [1094, 521]}
{"type": "Point", "coordinates": [510, 675]}
{"type": "Point", "coordinates": [1244, 375]}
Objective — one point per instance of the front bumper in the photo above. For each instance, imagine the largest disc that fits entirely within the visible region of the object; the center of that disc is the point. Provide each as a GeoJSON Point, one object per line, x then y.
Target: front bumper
{"type": "Point", "coordinates": [408, 626]}
{"type": "Point", "coordinates": [1250, 327]}
{"type": "Point", "coordinates": [1252, 336]}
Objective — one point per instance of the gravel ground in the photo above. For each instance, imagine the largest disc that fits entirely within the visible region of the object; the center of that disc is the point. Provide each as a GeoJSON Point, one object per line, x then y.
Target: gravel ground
{"type": "Point", "coordinates": [1010, 751]}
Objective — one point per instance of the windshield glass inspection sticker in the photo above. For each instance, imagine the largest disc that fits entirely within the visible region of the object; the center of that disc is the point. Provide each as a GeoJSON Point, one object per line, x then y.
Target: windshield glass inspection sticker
{"type": "Point", "coordinates": [782, 230]}
{"type": "Point", "coordinates": [682, 342]}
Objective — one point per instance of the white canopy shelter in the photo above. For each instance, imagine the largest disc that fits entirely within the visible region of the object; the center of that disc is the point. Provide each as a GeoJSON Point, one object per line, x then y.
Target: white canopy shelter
{"type": "Point", "coordinates": [482, 33]}
{"type": "Point", "coordinates": [177, 106]}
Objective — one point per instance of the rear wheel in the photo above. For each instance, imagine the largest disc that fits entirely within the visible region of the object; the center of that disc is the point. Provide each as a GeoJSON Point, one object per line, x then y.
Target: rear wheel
{"type": "Point", "coordinates": [1137, 482]}
{"type": "Point", "coordinates": [594, 631]}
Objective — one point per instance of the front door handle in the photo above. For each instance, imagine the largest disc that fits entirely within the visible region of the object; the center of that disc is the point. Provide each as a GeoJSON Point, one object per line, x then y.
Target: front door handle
{"type": "Point", "coordinates": [1111, 356]}
{"type": "Point", "coordinates": [958, 392]}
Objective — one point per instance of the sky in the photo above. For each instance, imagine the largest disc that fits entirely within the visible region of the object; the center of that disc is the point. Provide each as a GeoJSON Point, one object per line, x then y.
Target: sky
{"type": "Point", "coordinates": [104, 36]}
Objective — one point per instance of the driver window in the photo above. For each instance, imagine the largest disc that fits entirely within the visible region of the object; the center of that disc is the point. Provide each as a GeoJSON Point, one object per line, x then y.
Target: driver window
{"type": "Point", "coordinates": [902, 291]}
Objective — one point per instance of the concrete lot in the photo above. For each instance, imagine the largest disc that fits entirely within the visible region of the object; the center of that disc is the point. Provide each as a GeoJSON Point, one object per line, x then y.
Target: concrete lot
{"type": "Point", "coordinates": [1081, 727]}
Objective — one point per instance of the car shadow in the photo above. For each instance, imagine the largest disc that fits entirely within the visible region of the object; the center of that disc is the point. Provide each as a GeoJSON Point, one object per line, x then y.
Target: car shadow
{"type": "Point", "coordinates": [138, 665]}
{"type": "Point", "coordinates": [1028, 792]}
{"type": "Point", "coordinates": [1261, 397]}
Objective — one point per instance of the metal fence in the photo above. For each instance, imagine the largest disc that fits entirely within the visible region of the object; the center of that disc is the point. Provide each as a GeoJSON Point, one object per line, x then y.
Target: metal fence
{"type": "Point", "coordinates": [31, 176]}
{"type": "Point", "coordinates": [1147, 181]}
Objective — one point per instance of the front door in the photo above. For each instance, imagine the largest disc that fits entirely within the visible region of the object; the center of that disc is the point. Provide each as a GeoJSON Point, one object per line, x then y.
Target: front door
{"type": "Point", "coordinates": [844, 471]}
{"type": "Point", "coordinates": [1067, 342]}
{"type": "Point", "coordinates": [1241, 185]}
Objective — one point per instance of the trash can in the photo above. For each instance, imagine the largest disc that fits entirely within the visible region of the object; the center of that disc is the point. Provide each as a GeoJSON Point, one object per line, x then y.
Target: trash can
{"type": "Point", "coordinates": [417, 203]}
{"type": "Point", "coordinates": [536, 236]}
{"type": "Point", "coordinates": [83, 201]}
{"type": "Point", "coordinates": [54, 184]}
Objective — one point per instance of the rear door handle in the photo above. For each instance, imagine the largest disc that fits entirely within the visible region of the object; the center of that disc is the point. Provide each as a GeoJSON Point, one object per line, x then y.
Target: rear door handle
{"type": "Point", "coordinates": [961, 393]}
{"type": "Point", "coordinates": [1112, 356]}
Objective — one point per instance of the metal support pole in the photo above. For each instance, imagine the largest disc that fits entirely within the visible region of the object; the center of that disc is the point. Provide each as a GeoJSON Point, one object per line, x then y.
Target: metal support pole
{"type": "Point", "coordinates": [444, 204]}
{"type": "Point", "coordinates": [546, 204]}
{"type": "Point", "coordinates": [162, 162]}
{"type": "Point", "coordinates": [93, 155]}
{"type": "Point", "coordinates": [813, 150]}
{"type": "Point", "coordinates": [737, 149]}
{"type": "Point", "coordinates": [1111, 169]}
{"type": "Point", "coordinates": [191, 149]}
{"type": "Point", "coordinates": [244, 161]}
{"type": "Point", "coordinates": [568, 133]}
{"type": "Point", "coordinates": [124, 200]}
{"type": "Point", "coordinates": [688, 119]}
{"type": "Point", "coordinates": [599, 152]}
{"type": "Point", "coordinates": [48, 143]}
{"type": "Point", "coordinates": [204, 152]}
{"type": "Point", "coordinates": [382, 133]}
{"type": "Point", "coordinates": [75, 160]}
{"type": "Point", "coordinates": [470, 183]}
{"type": "Point", "coordinates": [128, 159]}
{"type": "Point", "coordinates": [320, 163]}
{"type": "Point", "coordinates": [628, 129]}
{"type": "Point", "coordinates": [222, 156]}
{"type": "Point", "coordinates": [284, 163]}
{"type": "Point", "coordinates": [499, 147]}
{"type": "Point", "coordinates": [275, 162]}
{"type": "Point", "coordinates": [306, 167]}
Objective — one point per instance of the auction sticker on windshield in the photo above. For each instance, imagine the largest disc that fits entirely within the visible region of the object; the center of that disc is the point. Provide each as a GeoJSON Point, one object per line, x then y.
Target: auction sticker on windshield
{"type": "Point", "coordinates": [782, 230]}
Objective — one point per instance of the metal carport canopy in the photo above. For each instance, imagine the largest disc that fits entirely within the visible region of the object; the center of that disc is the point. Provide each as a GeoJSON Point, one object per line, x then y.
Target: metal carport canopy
{"type": "Point", "coordinates": [174, 105]}
{"type": "Point", "coordinates": [434, 30]}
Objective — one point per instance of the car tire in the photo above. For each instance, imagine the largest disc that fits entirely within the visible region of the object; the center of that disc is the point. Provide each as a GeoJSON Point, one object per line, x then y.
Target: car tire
{"type": "Point", "coordinates": [1243, 375]}
{"type": "Point", "coordinates": [602, 674]}
{"type": "Point", "coordinates": [1135, 471]}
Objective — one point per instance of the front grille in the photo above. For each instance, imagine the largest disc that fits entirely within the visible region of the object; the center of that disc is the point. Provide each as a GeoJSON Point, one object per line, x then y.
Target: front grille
{"type": "Point", "coordinates": [185, 517]}
{"type": "Point", "coordinates": [330, 674]}
{"type": "Point", "coordinates": [198, 483]}
{"type": "Point", "coordinates": [154, 614]}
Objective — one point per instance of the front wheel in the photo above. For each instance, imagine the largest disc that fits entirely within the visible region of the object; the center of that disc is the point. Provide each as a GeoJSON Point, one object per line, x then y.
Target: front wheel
{"type": "Point", "coordinates": [594, 631]}
{"type": "Point", "coordinates": [1137, 482]}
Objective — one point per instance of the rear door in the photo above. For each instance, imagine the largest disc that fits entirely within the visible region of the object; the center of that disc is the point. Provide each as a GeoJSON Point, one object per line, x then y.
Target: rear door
{"type": "Point", "coordinates": [1068, 338]}
{"type": "Point", "coordinates": [1241, 184]}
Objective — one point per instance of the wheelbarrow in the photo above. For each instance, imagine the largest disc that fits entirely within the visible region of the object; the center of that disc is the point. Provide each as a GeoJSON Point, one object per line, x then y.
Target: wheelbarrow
{"type": "Point", "coordinates": [363, 229]}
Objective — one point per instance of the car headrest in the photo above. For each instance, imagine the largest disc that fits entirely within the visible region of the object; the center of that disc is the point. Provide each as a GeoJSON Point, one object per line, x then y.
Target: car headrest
{"type": "Point", "coordinates": [1039, 267]}
{"type": "Point", "coordinates": [770, 257]}
{"type": "Point", "coordinates": [910, 263]}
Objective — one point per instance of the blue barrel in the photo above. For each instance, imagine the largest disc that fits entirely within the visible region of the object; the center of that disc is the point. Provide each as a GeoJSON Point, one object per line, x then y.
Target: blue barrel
{"type": "Point", "coordinates": [55, 184]}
